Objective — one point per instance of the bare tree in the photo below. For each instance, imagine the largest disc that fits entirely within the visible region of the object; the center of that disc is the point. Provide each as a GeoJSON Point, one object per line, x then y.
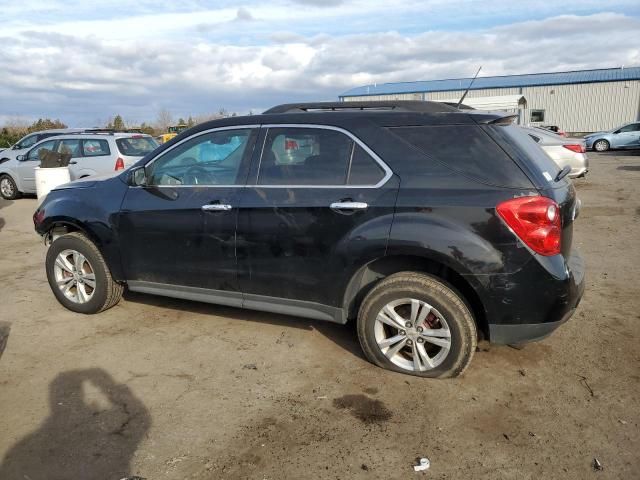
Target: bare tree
{"type": "Point", "coordinates": [164, 120]}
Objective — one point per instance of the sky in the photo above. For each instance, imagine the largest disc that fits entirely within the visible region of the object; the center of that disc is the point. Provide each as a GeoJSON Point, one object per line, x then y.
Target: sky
{"type": "Point", "coordinates": [84, 62]}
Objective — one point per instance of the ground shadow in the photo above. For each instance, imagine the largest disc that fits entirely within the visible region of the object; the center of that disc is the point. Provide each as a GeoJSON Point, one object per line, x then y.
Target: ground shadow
{"type": "Point", "coordinates": [631, 152]}
{"type": "Point", "coordinates": [343, 335]}
{"type": "Point", "coordinates": [629, 168]}
{"type": "Point", "coordinates": [5, 328]}
{"type": "Point", "coordinates": [93, 430]}
{"type": "Point", "coordinates": [3, 204]}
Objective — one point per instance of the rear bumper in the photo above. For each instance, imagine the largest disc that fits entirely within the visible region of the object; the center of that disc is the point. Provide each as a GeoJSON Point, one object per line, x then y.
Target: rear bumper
{"type": "Point", "coordinates": [529, 305]}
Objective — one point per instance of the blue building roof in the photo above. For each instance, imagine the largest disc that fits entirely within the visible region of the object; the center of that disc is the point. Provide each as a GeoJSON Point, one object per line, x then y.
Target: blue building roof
{"type": "Point", "coordinates": [527, 80]}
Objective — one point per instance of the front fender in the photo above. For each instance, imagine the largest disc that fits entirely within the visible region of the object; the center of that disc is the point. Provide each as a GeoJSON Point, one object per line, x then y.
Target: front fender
{"type": "Point", "coordinates": [7, 170]}
{"type": "Point", "coordinates": [93, 210]}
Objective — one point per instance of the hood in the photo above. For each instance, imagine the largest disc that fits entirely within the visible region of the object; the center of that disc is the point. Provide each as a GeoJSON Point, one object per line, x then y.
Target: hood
{"type": "Point", "coordinates": [89, 182]}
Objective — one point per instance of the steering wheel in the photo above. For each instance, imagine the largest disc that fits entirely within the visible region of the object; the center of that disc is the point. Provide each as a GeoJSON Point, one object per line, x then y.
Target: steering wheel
{"type": "Point", "coordinates": [197, 176]}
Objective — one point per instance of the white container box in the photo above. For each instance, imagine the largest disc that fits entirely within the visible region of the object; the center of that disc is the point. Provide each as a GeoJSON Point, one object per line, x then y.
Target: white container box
{"type": "Point", "coordinates": [49, 178]}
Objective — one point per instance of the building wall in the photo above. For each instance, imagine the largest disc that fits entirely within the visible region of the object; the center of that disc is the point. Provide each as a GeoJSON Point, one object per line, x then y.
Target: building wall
{"type": "Point", "coordinates": [586, 107]}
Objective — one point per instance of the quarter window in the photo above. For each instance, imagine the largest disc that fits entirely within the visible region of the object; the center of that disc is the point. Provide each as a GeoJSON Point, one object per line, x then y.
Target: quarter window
{"type": "Point", "coordinates": [95, 148]}
{"type": "Point", "coordinates": [213, 158]}
{"type": "Point", "coordinates": [364, 169]}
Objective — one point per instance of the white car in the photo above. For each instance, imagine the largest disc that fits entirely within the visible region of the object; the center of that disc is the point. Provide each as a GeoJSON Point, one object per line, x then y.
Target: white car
{"type": "Point", "coordinates": [91, 154]}
{"type": "Point", "coordinates": [562, 150]}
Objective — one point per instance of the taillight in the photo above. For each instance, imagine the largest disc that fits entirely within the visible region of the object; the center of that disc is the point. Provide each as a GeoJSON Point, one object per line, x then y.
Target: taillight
{"type": "Point", "coordinates": [577, 147]}
{"type": "Point", "coordinates": [119, 164]}
{"type": "Point", "coordinates": [38, 217]}
{"type": "Point", "coordinates": [536, 221]}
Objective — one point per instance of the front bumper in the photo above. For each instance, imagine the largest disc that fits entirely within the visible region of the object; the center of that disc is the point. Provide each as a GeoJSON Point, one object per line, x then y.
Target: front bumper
{"type": "Point", "coordinates": [529, 305]}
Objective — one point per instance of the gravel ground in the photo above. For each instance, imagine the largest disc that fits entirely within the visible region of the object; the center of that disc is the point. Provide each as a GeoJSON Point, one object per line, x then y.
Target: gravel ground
{"type": "Point", "coordinates": [167, 389]}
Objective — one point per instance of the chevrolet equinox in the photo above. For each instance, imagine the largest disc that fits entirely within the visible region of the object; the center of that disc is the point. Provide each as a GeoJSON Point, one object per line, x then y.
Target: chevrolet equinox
{"type": "Point", "coordinates": [429, 226]}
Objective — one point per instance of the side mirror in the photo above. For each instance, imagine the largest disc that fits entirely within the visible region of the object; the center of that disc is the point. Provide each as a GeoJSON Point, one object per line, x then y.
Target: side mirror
{"type": "Point", "coordinates": [21, 158]}
{"type": "Point", "coordinates": [616, 132]}
{"type": "Point", "coordinates": [138, 177]}
{"type": "Point", "coordinates": [16, 147]}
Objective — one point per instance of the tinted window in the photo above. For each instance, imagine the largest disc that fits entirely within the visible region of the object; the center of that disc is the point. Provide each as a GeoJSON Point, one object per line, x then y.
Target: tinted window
{"type": "Point", "coordinates": [136, 146]}
{"type": "Point", "coordinates": [210, 159]}
{"type": "Point", "coordinates": [468, 150]}
{"type": "Point", "coordinates": [364, 169]}
{"type": "Point", "coordinates": [522, 147]}
{"type": "Point", "coordinates": [634, 127]}
{"type": "Point", "coordinates": [304, 156]}
{"type": "Point", "coordinates": [95, 148]}
{"type": "Point", "coordinates": [70, 146]}
{"type": "Point", "coordinates": [34, 153]}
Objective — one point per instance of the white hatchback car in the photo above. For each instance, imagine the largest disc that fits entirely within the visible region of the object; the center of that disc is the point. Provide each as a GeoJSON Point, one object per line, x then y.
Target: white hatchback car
{"type": "Point", "coordinates": [564, 151]}
{"type": "Point", "coordinates": [91, 154]}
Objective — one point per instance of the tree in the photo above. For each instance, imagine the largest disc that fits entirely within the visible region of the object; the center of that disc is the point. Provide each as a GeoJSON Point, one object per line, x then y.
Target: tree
{"type": "Point", "coordinates": [164, 120]}
{"type": "Point", "coordinates": [181, 121]}
{"type": "Point", "coordinates": [118, 123]}
{"type": "Point", "coordinates": [190, 122]}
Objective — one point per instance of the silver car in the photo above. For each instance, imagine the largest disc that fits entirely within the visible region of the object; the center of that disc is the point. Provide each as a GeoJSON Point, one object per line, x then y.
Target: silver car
{"type": "Point", "coordinates": [562, 150]}
{"type": "Point", "coordinates": [626, 136]}
{"type": "Point", "coordinates": [28, 141]}
{"type": "Point", "coordinates": [91, 154]}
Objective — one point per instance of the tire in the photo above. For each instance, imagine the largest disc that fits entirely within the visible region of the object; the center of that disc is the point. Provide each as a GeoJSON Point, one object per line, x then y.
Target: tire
{"type": "Point", "coordinates": [601, 145]}
{"type": "Point", "coordinates": [447, 314]}
{"type": "Point", "coordinates": [89, 289]}
{"type": "Point", "coordinates": [8, 188]}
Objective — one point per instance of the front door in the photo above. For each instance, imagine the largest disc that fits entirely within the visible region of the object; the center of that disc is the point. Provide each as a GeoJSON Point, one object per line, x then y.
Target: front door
{"type": "Point", "coordinates": [628, 136]}
{"type": "Point", "coordinates": [31, 160]}
{"type": "Point", "coordinates": [320, 207]}
{"type": "Point", "coordinates": [179, 229]}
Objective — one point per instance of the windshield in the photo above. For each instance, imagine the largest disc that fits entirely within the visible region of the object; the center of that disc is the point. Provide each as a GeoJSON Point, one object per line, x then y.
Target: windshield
{"type": "Point", "coordinates": [136, 146]}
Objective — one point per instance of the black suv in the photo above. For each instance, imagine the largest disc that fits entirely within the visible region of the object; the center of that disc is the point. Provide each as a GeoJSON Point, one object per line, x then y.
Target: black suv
{"type": "Point", "coordinates": [430, 225]}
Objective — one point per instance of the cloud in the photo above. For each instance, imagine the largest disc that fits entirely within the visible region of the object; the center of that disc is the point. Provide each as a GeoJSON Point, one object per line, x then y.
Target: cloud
{"type": "Point", "coordinates": [82, 77]}
{"type": "Point", "coordinates": [244, 15]}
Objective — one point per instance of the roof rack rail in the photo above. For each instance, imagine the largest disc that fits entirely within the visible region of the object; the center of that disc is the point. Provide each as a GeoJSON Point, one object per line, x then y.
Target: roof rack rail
{"type": "Point", "coordinates": [416, 106]}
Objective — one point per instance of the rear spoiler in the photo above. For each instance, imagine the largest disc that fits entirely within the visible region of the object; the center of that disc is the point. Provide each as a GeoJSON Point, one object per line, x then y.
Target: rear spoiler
{"type": "Point", "coordinates": [494, 118]}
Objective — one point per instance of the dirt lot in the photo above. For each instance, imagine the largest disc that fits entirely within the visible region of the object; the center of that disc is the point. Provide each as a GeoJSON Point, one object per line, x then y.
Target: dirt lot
{"type": "Point", "coordinates": [166, 389]}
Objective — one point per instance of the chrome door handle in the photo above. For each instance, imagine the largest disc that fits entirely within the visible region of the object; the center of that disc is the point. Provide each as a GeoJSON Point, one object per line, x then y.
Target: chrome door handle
{"type": "Point", "coordinates": [216, 207]}
{"type": "Point", "coordinates": [349, 206]}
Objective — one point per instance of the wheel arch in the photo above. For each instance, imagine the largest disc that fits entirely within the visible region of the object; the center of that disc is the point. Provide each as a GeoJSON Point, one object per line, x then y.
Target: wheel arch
{"type": "Point", "coordinates": [367, 276]}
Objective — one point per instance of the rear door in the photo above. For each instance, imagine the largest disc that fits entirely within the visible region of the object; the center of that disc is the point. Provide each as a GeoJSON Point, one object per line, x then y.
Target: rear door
{"type": "Point", "coordinates": [319, 205]}
{"type": "Point", "coordinates": [96, 157]}
{"type": "Point", "coordinates": [73, 147]}
{"type": "Point", "coordinates": [179, 229]}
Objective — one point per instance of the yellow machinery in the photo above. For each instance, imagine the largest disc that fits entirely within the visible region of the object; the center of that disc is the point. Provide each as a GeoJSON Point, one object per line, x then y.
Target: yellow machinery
{"type": "Point", "coordinates": [172, 132]}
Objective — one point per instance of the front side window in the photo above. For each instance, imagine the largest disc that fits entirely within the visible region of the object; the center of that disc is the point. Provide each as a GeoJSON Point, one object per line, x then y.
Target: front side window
{"type": "Point", "coordinates": [213, 158]}
{"type": "Point", "coordinates": [95, 148]}
{"type": "Point", "coordinates": [305, 156]}
{"type": "Point", "coordinates": [70, 147]}
{"type": "Point", "coordinates": [35, 153]}
{"type": "Point", "coordinates": [28, 142]}
{"type": "Point", "coordinates": [537, 116]}
{"type": "Point", "coordinates": [634, 127]}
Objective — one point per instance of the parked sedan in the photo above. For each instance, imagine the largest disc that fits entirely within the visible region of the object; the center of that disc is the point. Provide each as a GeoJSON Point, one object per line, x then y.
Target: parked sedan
{"type": "Point", "coordinates": [562, 150]}
{"type": "Point", "coordinates": [626, 136]}
{"type": "Point", "coordinates": [91, 154]}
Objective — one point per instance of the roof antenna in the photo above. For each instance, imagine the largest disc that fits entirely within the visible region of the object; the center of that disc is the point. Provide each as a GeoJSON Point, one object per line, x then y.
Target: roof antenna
{"type": "Point", "coordinates": [467, 90]}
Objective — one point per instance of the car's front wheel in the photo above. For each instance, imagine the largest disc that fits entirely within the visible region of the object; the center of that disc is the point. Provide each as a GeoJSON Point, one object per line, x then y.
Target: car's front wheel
{"type": "Point", "coordinates": [78, 275]}
{"type": "Point", "coordinates": [416, 324]}
{"type": "Point", "coordinates": [8, 188]}
{"type": "Point", "coordinates": [601, 145]}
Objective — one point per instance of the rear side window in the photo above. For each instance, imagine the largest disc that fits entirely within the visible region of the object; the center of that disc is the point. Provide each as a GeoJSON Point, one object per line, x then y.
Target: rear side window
{"type": "Point", "coordinates": [70, 147]}
{"type": "Point", "coordinates": [95, 148]}
{"type": "Point", "coordinates": [468, 150]}
{"type": "Point", "coordinates": [136, 146]}
{"type": "Point", "coordinates": [305, 156]}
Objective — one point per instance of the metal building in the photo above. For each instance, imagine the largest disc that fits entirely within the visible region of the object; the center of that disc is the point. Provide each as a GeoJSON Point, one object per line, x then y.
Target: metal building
{"type": "Point", "coordinates": [577, 101]}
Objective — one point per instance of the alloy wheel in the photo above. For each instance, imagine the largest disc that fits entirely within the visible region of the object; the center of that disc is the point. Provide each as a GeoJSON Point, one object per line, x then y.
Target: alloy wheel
{"type": "Point", "coordinates": [74, 276]}
{"type": "Point", "coordinates": [6, 187]}
{"type": "Point", "coordinates": [412, 334]}
{"type": "Point", "coordinates": [601, 146]}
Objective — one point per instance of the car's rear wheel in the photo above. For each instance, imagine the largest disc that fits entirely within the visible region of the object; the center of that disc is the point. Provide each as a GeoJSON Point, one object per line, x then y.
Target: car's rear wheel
{"type": "Point", "coordinates": [601, 145]}
{"type": "Point", "coordinates": [78, 275]}
{"type": "Point", "coordinates": [417, 324]}
{"type": "Point", "coordinates": [8, 188]}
